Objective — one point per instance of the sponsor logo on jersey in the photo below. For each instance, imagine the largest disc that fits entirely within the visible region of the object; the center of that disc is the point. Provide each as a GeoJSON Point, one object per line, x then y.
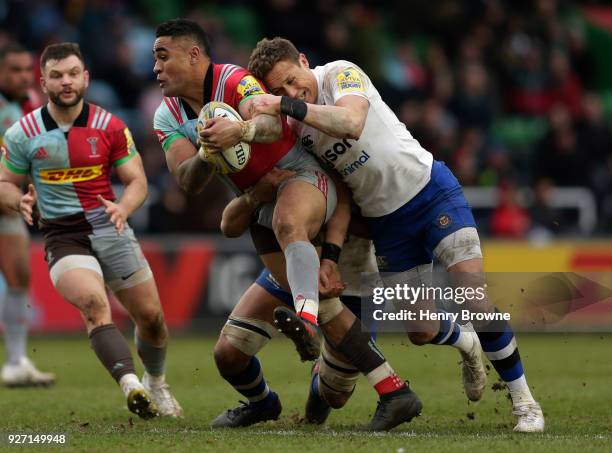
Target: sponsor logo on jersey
{"type": "Point", "coordinates": [249, 86]}
{"type": "Point", "coordinates": [444, 221]}
{"type": "Point", "coordinates": [337, 149]}
{"type": "Point", "coordinates": [307, 141]}
{"type": "Point", "coordinates": [349, 80]}
{"type": "Point", "coordinates": [356, 165]}
{"type": "Point", "coordinates": [41, 154]}
{"type": "Point", "coordinates": [93, 143]}
{"type": "Point", "coordinates": [130, 141]}
{"type": "Point", "coordinates": [68, 175]}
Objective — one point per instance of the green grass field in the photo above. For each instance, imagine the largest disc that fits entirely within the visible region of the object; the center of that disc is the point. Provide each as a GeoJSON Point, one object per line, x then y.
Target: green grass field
{"type": "Point", "coordinates": [570, 374]}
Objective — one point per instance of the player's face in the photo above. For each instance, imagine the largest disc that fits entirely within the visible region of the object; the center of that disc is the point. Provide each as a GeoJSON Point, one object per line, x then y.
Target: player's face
{"type": "Point", "coordinates": [17, 74]}
{"type": "Point", "coordinates": [173, 63]}
{"type": "Point", "coordinates": [65, 81]}
{"type": "Point", "coordinates": [294, 80]}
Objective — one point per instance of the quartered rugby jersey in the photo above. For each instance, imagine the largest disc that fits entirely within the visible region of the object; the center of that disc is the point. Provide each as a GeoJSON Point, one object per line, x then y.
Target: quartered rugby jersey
{"type": "Point", "coordinates": [69, 169]}
{"type": "Point", "coordinates": [231, 84]}
{"type": "Point", "coordinates": [386, 167]}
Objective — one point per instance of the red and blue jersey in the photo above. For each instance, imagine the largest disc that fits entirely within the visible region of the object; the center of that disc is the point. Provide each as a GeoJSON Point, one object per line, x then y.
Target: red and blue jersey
{"type": "Point", "coordinates": [232, 85]}
{"type": "Point", "coordinates": [69, 168]}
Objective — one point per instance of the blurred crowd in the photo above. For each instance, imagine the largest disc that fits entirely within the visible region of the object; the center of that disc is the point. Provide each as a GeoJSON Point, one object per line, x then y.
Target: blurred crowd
{"type": "Point", "coordinates": [508, 94]}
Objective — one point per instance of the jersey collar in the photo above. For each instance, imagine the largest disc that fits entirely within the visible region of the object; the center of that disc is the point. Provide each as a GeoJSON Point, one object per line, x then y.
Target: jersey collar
{"type": "Point", "coordinates": [206, 96]}
{"type": "Point", "coordinates": [50, 124]}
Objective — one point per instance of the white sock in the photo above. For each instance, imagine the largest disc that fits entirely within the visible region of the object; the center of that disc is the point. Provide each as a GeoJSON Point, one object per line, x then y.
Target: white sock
{"type": "Point", "coordinates": [465, 341]}
{"type": "Point", "coordinates": [380, 373]}
{"type": "Point", "coordinates": [519, 391]}
{"type": "Point", "coordinates": [154, 381]}
{"type": "Point", "coordinates": [307, 307]}
{"type": "Point", "coordinates": [129, 382]}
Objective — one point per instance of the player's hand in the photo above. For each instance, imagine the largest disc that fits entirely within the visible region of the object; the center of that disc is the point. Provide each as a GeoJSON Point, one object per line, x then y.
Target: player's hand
{"type": "Point", "coordinates": [330, 282]}
{"type": "Point", "coordinates": [118, 215]}
{"type": "Point", "coordinates": [220, 133]}
{"type": "Point", "coordinates": [265, 103]}
{"type": "Point", "coordinates": [266, 188]}
{"type": "Point", "coordinates": [26, 204]}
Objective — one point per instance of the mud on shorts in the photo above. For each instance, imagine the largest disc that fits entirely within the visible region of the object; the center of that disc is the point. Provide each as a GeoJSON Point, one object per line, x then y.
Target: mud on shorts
{"type": "Point", "coordinates": [308, 170]}
{"type": "Point", "coordinates": [90, 241]}
{"type": "Point", "coordinates": [13, 225]}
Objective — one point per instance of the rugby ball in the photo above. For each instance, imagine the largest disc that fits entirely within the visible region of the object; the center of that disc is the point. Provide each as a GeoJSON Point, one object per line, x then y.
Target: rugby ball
{"type": "Point", "coordinates": [230, 160]}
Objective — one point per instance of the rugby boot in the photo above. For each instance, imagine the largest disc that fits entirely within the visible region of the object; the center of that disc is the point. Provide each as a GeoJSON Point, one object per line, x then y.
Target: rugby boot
{"type": "Point", "coordinates": [317, 410]}
{"type": "Point", "coordinates": [25, 374]}
{"type": "Point", "coordinates": [304, 334]}
{"type": "Point", "coordinates": [247, 415]}
{"type": "Point", "coordinates": [473, 372]}
{"type": "Point", "coordinates": [394, 409]}
{"type": "Point", "coordinates": [530, 418]}
{"type": "Point", "coordinates": [159, 391]}
{"type": "Point", "coordinates": [140, 403]}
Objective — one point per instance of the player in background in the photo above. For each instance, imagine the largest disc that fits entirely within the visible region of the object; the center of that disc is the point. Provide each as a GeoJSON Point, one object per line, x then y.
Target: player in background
{"type": "Point", "coordinates": [189, 80]}
{"type": "Point", "coordinates": [414, 206]}
{"type": "Point", "coordinates": [69, 147]}
{"type": "Point", "coordinates": [16, 99]}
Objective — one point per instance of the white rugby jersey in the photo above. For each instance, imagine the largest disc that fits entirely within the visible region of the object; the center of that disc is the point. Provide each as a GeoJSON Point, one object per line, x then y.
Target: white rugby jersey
{"type": "Point", "coordinates": [386, 167]}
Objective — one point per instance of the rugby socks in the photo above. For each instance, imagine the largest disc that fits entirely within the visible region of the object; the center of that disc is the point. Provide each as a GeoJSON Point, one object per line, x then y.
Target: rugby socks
{"type": "Point", "coordinates": [303, 276]}
{"type": "Point", "coordinates": [499, 345]}
{"type": "Point", "coordinates": [153, 357]}
{"type": "Point", "coordinates": [15, 319]}
{"type": "Point", "coordinates": [359, 348]}
{"type": "Point", "coordinates": [251, 384]}
{"type": "Point", "coordinates": [385, 380]}
{"type": "Point", "coordinates": [332, 375]}
{"type": "Point", "coordinates": [452, 334]}
{"type": "Point", "coordinates": [113, 351]}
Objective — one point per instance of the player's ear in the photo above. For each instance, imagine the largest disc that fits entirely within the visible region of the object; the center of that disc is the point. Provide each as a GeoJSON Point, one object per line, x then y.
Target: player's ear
{"type": "Point", "coordinates": [194, 54]}
{"type": "Point", "coordinates": [304, 61]}
{"type": "Point", "coordinates": [43, 85]}
{"type": "Point", "coordinates": [86, 77]}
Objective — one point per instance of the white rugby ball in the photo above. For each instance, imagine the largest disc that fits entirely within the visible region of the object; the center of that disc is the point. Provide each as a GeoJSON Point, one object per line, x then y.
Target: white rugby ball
{"type": "Point", "coordinates": [232, 159]}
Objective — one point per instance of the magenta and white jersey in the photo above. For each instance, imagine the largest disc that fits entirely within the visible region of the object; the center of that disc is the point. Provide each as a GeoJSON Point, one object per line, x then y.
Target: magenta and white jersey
{"type": "Point", "coordinates": [386, 167]}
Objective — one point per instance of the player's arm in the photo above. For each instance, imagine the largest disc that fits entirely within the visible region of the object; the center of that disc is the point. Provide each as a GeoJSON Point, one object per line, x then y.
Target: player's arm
{"type": "Point", "coordinates": [337, 226]}
{"type": "Point", "coordinates": [221, 133]}
{"type": "Point", "coordinates": [335, 234]}
{"type": "Point", "coordinates": [262, 127]}
{"type": "Point", "coordinates": [345, 119]}
{"type": "Point", "coordinates": [255, 127]}
{"type": "Point", "coordinates": [10, 192]}
{"type": "Point", "coordinates": [239, 212]}
{"type": "Point", "coordinates": [132, 175]}
{"type": "Point", "coordinates": [191, 172]}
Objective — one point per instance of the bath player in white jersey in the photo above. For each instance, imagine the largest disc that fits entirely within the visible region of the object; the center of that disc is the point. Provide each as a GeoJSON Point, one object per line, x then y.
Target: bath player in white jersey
{"type": "Point", "coordinates": [413, 205]}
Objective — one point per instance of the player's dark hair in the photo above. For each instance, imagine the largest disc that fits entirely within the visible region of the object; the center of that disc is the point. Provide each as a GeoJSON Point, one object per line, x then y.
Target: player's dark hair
{"type": "Point", "coordinates": [177, 28]}
{"type": "Point", "coordinates": [268, 52]}
{"type": "Point", "coordinates": [59, 52]}
{"type": "Point", "coordinates": [11, 48]}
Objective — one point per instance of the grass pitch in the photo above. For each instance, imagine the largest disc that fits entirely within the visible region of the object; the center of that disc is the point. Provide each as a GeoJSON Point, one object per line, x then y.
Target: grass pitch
{"type": "Point", "coordinates": [570, 376]}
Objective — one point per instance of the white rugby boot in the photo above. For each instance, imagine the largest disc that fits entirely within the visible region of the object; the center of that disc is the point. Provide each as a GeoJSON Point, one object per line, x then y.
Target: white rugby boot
{"type": "Point", "coordinates": [530, 418]}
{"type": "Point", "coordinates": [473, 372]}
{"type": "Point", "coordinates": [25, 374]}
{"type": "Point", "coordinates": [159, 391]}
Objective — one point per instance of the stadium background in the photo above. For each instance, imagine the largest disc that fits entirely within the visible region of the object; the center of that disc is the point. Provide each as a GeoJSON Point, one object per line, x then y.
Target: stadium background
{"type": "Point", "coordinates": [516, 97]}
